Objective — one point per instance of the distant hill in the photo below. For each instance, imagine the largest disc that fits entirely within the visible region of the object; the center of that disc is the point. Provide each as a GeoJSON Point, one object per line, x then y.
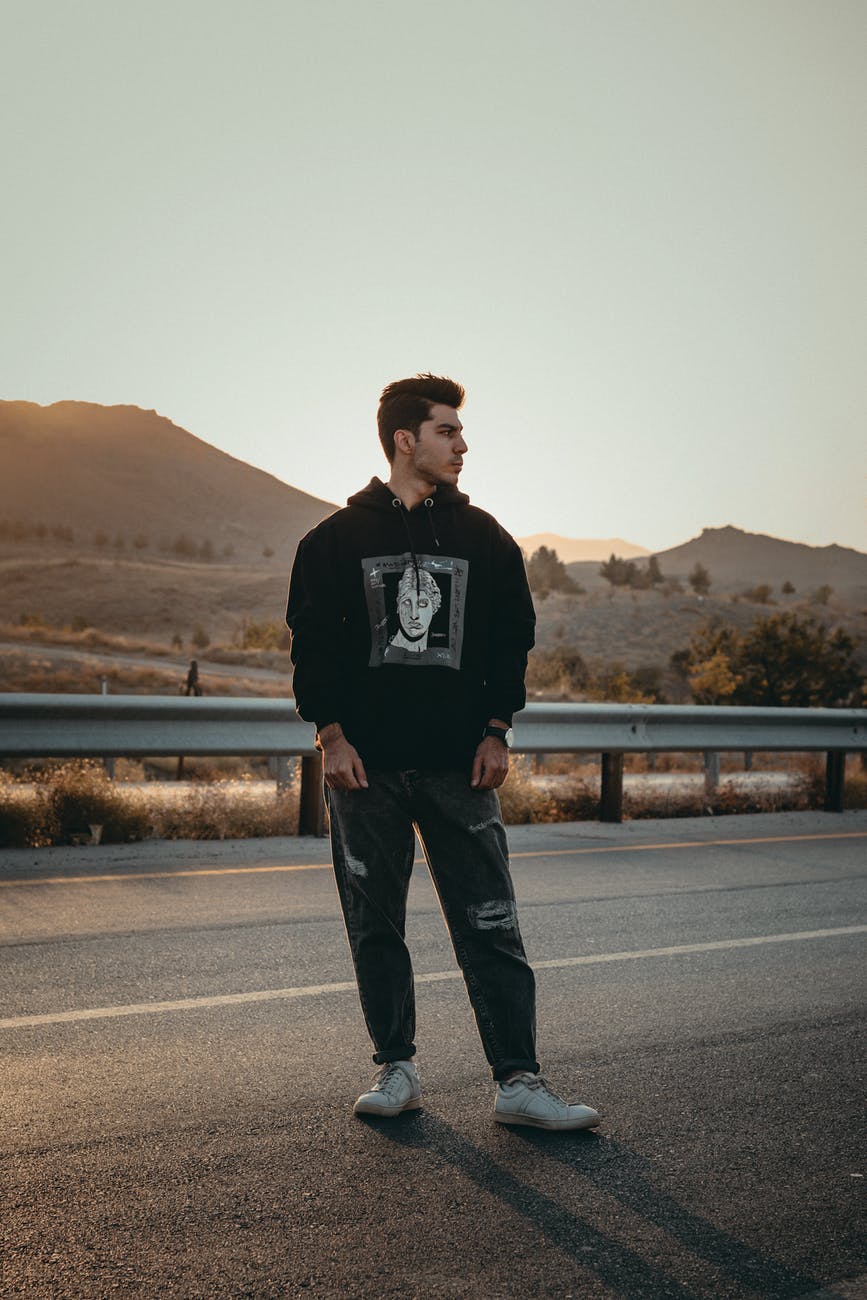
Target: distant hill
{"type": "Point", "coordinates": [122, 470]}
{"type": "Point", "coordinates": [570, 549]}
{"type": "Point", "coordinates": [733, 557]}
{"type": "Point", "coordinates": [737, 560]}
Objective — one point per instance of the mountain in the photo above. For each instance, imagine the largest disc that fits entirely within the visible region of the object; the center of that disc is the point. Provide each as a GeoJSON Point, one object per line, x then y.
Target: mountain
{"type": "Point", "coordinates": [123, 471]}
{"type": "Point", "coordinates": [571, 549]}
{"type": "Point", "coordinates": [736, 558]}
{"type": "Point", "coordinates": [113, 517]}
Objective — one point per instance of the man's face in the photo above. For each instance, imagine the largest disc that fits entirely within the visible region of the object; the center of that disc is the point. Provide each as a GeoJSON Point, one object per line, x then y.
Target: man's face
{"type": "Point", "coordinates": [439, 448]}
{"type": "Point", "coordinates": [415, 613]}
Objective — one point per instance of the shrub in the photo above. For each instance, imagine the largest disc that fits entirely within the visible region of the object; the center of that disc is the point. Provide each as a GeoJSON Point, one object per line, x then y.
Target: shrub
{"type": "Point", "coordinates": [227, 810]}
{"type": "Point", "coordinates": [264, 636]}
{"type": "Point", "coordinates": [561, 670]}
{"type": "Point", "coordinates": [760, 595]}
{"type": "Point", "coordinates": [200, 637]}
{"type": "Point", "coordinates": [699, 580]}
{"type": "Point", "coordinates": [184, 546]}
{"type": "Point", "coordinates": [22, 815]}
{"type": "Point", "coordinates": [79, 795]}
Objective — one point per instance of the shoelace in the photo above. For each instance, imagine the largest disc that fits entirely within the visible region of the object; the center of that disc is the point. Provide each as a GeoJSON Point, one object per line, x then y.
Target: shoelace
{"type": "Point", "coordinates": [390, 1074]}
{"type": "Point", "coordinates": [540, 1084]}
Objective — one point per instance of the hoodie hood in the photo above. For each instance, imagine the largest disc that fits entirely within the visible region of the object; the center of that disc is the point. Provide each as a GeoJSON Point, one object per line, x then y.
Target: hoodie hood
{"type": "Point", "coordinates": [378, 496]}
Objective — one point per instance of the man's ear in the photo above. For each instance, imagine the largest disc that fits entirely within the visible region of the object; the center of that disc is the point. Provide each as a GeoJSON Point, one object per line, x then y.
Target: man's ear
{"type": "Point", "coordinates": [404, 441]}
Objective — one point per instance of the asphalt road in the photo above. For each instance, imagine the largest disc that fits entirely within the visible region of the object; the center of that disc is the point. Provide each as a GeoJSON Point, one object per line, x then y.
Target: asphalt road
{"type": "Point", "coordinates": [180, 1047]}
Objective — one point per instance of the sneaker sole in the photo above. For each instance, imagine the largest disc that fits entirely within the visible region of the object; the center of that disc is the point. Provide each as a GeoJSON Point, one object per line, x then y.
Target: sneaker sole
{"type": "Point", "coordinates": [556, 1125]}
{"type": "Point", "coordinates": [387, 1112]}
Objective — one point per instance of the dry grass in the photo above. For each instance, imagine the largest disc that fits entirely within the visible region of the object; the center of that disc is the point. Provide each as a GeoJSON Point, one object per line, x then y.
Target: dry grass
{"type": "Point", "coordinates": [62, 803]}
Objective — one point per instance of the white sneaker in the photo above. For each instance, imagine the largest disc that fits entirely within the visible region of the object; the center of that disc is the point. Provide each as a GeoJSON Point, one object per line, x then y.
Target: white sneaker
{"type": "Point", "coordinates": [395, 1089]}
{"type": "Point", "coordinates": [529, 1100]}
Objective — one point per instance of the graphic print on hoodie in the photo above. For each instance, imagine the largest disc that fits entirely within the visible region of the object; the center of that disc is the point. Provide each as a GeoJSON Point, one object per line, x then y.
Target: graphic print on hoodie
{"type": "Point", "coordinates": [416, 609]}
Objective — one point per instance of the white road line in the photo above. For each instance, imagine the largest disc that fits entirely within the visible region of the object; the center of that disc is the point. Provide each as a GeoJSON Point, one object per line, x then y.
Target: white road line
{"type": "Point", "coordinates": [348, 986]}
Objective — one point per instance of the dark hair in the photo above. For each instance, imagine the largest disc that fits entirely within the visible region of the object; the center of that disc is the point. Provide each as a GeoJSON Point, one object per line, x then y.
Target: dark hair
{"type": "Point", "coordinates": [406, 404]}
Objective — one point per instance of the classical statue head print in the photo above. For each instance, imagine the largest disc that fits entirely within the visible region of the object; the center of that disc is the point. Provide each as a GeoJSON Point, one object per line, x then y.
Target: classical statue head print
{"type": "Point", "coordinates": [418, 599]}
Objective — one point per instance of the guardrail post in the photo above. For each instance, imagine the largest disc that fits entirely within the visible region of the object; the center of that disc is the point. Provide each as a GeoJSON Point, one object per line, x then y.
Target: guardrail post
{"type": "Point", "coordinates": [835, 778]}
{"type": "Point", "coordinates": [611, 803]}
{"type": "Point", "coordinates": [711, 771]}
{"type": "Point", "coordinates": [311, 810]}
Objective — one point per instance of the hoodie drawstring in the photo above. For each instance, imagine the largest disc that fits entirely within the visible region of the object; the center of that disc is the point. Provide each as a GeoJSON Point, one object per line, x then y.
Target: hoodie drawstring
{"type": "Point", "coordinates": [401, 509]}
{"type": "Point", "coordinates": [404, 513]}
{"type": "Point", "coordinates": [429, 507]}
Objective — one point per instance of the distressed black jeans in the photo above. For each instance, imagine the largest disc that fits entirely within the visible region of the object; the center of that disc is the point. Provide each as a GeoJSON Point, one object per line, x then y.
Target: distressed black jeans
{"type": "Point", "coordinates": [464, 842]}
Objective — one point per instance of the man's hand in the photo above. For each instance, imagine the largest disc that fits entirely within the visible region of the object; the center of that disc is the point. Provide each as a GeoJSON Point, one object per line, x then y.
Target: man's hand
{"type": "Point", "coordinates": [341, 762]}
{"type": "Point", "coordinates": [490, 765]}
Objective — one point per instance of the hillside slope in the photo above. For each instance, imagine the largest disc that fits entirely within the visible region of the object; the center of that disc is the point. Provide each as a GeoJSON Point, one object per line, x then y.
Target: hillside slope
{"type": "Point", "coordinates": [122, 470]}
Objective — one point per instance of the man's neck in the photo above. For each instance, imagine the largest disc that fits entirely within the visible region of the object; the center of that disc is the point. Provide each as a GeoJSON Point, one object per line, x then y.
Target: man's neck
{"type": "Point", "coordinates": [411, 490]}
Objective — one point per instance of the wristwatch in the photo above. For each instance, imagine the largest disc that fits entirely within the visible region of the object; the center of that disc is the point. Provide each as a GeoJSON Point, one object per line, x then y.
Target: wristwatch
{"type": "Point", "coordinates": [501, 733]}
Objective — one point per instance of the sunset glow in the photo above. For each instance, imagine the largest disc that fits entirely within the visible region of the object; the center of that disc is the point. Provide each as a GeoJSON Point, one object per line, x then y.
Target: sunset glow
{"type": "Point", "coordinates": [634, 232]}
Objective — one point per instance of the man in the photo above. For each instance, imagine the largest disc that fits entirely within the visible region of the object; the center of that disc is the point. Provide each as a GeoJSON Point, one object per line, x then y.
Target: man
{"type": "Point", "coordinates": [415, 738]}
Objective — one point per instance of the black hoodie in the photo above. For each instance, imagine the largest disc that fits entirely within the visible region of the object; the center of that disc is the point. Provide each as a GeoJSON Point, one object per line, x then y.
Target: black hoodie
{"type": "Point", "coordinates": [410, 628]}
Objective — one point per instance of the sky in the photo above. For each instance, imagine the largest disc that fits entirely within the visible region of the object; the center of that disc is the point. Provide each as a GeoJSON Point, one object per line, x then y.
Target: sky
{"type": "Point", "coordinates": [634, 229]}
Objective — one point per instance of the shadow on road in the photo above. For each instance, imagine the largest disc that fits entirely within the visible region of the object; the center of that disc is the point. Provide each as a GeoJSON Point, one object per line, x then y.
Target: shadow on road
{"type": "Point", "coordinates": [619, 1173]}
{"type": "Point", "coordinates": [628, 1177]}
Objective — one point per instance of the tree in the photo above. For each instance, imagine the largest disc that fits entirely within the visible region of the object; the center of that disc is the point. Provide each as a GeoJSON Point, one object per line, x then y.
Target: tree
{"type": "Point", "coordinates": [626, 573]}
{"type": "Point", "coordinates": [713, 681]}
{"type": "Point", "coordinates": [654, 573]}
{"type": "Point", "coordinates": [797, 663]}
{"type": "Point", "coordinates": [547, 572]}
{"type": "Point", "coordinates": [617, 571]}
{"type": "Point", "coordinates": [699, 580]}
{"type": "Point", "coordinates": [788, 588]}
{"type": "Point", "coordinates": [619, 686]}
{"type": "Point", "coordinates": [780, 661]}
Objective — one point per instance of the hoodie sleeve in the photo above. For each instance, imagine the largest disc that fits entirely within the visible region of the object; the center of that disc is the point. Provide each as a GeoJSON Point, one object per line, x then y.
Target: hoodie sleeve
{"type": "Point", "coordinates": [314, 616]}
{"type": "Point", "coordinates": [512, 634]}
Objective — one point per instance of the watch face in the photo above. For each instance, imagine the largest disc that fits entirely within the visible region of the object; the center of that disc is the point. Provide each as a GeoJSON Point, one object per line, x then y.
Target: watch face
{"type": "Point", "coordinates": [509, 737]}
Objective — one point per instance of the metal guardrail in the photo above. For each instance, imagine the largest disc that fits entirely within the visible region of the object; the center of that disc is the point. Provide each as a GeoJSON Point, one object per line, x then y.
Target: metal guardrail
{"type": "Point", "coordinates": [139, 726]}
